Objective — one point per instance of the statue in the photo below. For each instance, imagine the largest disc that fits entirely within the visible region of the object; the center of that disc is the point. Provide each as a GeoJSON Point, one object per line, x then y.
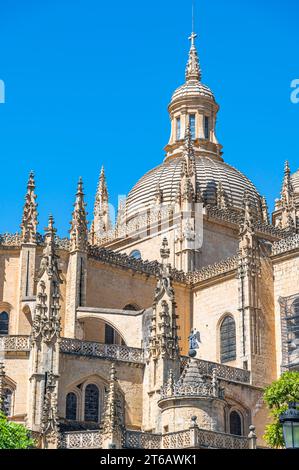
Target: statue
{"type": "Point", "coordinates": [194, 339]}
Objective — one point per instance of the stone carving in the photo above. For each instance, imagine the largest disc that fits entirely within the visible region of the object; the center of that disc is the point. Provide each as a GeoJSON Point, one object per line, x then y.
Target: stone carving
{"type": "Point", "coordinates": [285, 245]}
{"type": "Point", "coordinates": [142, 440]}
{"type": "Point", "coordinates": [46, 325]}
{"type": "Point", "coordinates": [163, 338]}
{"type": "Point", "coordinates": [46, 321]}
{"type": "Point", "coordinates": [49, 421]}
{"type": "Point", "coordinates": [81, 440]}
{"type": "Point", "coordinates": [29, 219]}
{"type": "Point", "coordinates": [14, 343]}
{"type": "Point", "coordinates": [232, 374]}
{"type": "Point", "coordinates": [207, 272]}
{"type": "Point", "coordinates": [78, 231]}
{"type": "Point", "coordinates": [2, 383]}
{"type": "Point", "coordinates": [113, 417]}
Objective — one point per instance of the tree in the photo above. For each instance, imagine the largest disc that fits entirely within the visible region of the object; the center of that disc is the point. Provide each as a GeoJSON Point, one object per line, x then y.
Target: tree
{"type": "Point", "coordinates": [277, 396]}
{"type": "Point", "coordinates": [14, 436]}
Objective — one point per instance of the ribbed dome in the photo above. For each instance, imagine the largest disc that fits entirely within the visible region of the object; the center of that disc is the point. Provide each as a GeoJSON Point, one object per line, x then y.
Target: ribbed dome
{"type": "Point", "coordinates": [209, 173]}
{"type": "Point", "coordinates": [192, 89]}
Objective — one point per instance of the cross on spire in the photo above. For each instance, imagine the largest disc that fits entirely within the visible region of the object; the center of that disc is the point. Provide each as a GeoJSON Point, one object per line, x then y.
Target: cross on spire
{"type": "Point", "coordinates": [192, 38]}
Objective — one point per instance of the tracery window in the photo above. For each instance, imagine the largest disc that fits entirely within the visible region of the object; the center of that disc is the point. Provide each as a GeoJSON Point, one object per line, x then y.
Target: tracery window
{"type": "Point", "coordinates": [235, 423]}
{"type": "Point", "coordinates": [71, 406]}
{"type": "Point", "coordinates": [7, 401]}
{"type": "Point", "coordinates": [91, 404]}
{"type": "Point", "coordinates": [4, 323]}
{"type": "Point", "coordinates": [228, 339]}
{"type": "Point", "coordinates": [192, 125]}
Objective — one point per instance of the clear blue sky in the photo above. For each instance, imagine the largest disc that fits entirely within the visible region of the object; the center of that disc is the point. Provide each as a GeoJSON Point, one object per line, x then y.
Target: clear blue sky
{"type": "Point", "coordinates": [88, 83]}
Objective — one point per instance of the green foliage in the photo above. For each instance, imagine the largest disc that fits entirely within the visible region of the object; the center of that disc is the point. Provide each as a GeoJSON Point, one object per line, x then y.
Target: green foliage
{"type": "Point", "coordinates": [277, 396]}
{"type": "Point", "coordinates": [14, 436]}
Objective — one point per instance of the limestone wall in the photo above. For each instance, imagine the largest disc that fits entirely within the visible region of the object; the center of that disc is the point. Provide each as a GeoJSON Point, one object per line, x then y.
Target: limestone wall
{"type": "Point", "coordinates": [75, 370]}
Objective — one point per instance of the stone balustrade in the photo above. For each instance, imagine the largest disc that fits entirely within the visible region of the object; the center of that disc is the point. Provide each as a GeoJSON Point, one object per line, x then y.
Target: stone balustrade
{"type": "Point", "coordinates": [197, 438]}
{"type": "Point", "coordinates": [232, 374]}
{"type": "Point", "coordinates": [105, 351]}
{"type": "Point", "coordinates": [285, 245]}
{"type": "Point", "coordinates": [81, 440]}
{"type": "Point", "coordinates": [142, 440]}
{"type": "Point", "coordinates": [14, 343]}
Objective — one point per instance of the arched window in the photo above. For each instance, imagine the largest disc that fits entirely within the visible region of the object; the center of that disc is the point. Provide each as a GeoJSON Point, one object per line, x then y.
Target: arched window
{"type": "Point", "coordinates": [235, 423]}
{"type": "Point", "coordinates": [135, 254]}
{"type": "Point", "coordinates": [7, 401]}
{"type": "Point", "coordinates": [4, 321]}
{"type": "Point", "coordinates": [228, 340]}
{"type": "Point", "coordinates": [295, 318]}
{"type": "Point", "coordinates": [91, 408]}
{"type": "Point", "coordinates": [71, 406]}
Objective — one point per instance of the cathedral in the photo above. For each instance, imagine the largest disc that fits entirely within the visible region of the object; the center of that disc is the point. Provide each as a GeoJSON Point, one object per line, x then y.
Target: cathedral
{"type": "Point", "coordinates": [161, 330]}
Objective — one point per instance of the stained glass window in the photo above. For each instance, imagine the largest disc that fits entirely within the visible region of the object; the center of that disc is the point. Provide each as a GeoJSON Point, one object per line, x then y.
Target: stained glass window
{"type": "Point", "coordinates": [71, 406]}
{"type": "Point", "coordinates": [91, 412]}
{"type": "Point", "coordinates": [228, 340]}
{"type": "Point", "coordinates": [235, 424]}
{"type": "Point", "coordinates": [4, 320]}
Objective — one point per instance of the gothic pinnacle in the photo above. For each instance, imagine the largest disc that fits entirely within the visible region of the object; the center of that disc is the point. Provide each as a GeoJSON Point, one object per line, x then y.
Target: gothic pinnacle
{"type": "Point", "coordinates": [29, 219]}
{"type": "Point", "coordinates": [78, 230]}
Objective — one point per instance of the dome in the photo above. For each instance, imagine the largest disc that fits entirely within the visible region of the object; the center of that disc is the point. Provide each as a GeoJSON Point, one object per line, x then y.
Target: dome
{"type": "Point", "coordinates": [192, 89]}
{"type": "Point", "coordinates": [209, 173]}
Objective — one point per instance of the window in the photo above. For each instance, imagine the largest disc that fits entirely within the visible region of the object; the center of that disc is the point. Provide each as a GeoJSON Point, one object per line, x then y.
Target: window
{"type": "Point", "coordinates": [192, 125]}
{"type": "Point", "coordinates": [228, 340]}
{"type": "Point", "coordinates": [135, 254]}
{"type": "Point", "coordinates": [7, 401]}
{"type": "Point", "coordinates": [4, 320]}
{"type": "Point", "coordinates": [294, 323]}
{"type": "Point", "coordinates": [207, 127]}
{"type": "Point", "coordinates": [71, 406]}
{"type": "Point", "coordinates": [178, 128]}
{"type": "Point", "coordinates": [235, 423]}
{"type": "Point", "coordinates": [109, 334]}
{"type": "Point", "coordinates": [91, 408]}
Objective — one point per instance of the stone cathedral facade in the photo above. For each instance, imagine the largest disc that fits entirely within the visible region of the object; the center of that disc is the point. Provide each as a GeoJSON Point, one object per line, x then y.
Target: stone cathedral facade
{"type": "Point", "coordinates": [162, 330]}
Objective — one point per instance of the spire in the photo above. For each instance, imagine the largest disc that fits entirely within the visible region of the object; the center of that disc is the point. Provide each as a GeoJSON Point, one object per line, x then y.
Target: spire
{"type": "Point", "coordinates": [46, 323]}
{"type": "Point", "coordinates": [287, 187]}
{"type": "Point", "coordinates": [101, 222]}
{"type": "Point", "coordinates": [29, 219]}
{"type": "Point", "coordinates": [113, 416]}
{"type": "Point", "coordinates": [78, 231]}
{"type": "Point", "coordinates": [163, 338]}
{"type": "Point", "coordinates": [193, 71]}
{"type": "Point", "coordinates": [265, 212]}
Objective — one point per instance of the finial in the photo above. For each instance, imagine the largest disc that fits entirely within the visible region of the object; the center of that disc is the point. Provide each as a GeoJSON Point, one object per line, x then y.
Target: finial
{"type": "Point", "coordinates": [50, 227]}
{"type": "Point", "coordinates": [193, 71]}
{"type": "Point", "coordinates": [287, 170]}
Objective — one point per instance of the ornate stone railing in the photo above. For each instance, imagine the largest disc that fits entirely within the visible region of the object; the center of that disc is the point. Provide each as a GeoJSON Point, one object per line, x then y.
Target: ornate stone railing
{"type": "Point", "coordinates": [10, 239]}
{"type": "Point", "coordinates": [81, 440]}
{"type": "Point", "coordinates": [151, 268]}
{"type": "Point", "coordinates": [232, 374]}
{"type": "Point", "coordinates": [93, 349]}
{"type": "Point", "coordinates": [285, 245]}
{"type": "Point", "coordinates": [177, 440]}
{"type": "Point", "coordinates": [142, 440]}
{"type": "Point", "coordinates": [213, 270]}
{"type": "Point", "coordinates": [201, 438]}
{"type": "Point", "coordinates": [218, 440]}
{"type": "Point", "coordinates": [14, 343]}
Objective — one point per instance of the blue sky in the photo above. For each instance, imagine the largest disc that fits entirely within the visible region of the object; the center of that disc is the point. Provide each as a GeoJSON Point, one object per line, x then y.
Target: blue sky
{"type": "Point", "coordinates": [88, 83]}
